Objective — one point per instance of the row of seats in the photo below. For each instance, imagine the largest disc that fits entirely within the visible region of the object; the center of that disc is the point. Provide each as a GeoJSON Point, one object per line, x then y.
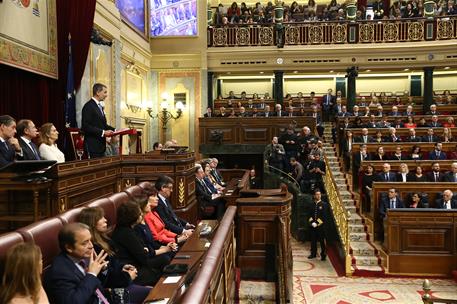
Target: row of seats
{"type": "Point", "coordinates": [44, 233]}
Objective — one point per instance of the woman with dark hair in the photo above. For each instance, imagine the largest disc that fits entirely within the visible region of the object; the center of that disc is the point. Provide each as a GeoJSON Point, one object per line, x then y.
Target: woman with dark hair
{"type": "Point", "coordinates": [367, 185]}
{"type": "Point", "coordinates": [155, 224]}
{"type": "Point", "coordinates": [233, 13]}
{"type": "Point", "coordinates": [132, 250]}
{"type": "Point", "coordinates": [116, 275]}
{"type": "Point", "coordinates": [378, 137]}
{"type": "Point", "coordinates": [155, 240]}
{"type": "Point", "coordinates": [417, 201]}
{"type": "Point", "coordinates": [21, 283]}
{"type": "Point", "coordinates": [410, 124]}
{"type": "Point", "coordinates": [379, 154]}
{"type": "Point", "coordinates": [416, 153]}
{"type": "Point", "coordinates": [418, 175]}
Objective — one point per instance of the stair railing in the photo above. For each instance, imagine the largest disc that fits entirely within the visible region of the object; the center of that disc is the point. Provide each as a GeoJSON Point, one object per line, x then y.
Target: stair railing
{"type": "Point", "coordinates": [427, 298]}
{"type": "Point", "coordinates": [341, 215]}
{"type": "Point", "coordinates": [283, 174]}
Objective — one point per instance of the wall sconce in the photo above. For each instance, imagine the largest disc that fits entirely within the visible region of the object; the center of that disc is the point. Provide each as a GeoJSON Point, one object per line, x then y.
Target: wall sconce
{"type": "Point", "coordinates": [165, 115]}
{"type": "Point", "coordinates": [133, 108]}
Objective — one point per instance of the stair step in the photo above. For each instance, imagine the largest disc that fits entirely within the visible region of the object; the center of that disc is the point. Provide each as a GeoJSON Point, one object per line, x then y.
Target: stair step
{"type": "Point", "coordinates": [366, 260]}
{"type": "Point", "coordinates": [356, 228]}
{"type": "Point", "coordinates": [362, 248]}
{"type": "Point", "coordinates": [357, 236]}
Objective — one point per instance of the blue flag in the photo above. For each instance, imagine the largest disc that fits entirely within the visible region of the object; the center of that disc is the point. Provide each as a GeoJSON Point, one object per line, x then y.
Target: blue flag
{"type": "Point", "coordinates": [70, 102]}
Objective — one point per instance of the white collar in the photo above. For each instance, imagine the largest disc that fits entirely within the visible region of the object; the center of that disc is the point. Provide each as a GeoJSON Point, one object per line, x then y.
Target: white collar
{"type": "Point", "coordinates": [28, 141]}
{"type": "Point", "coordinates": [96, 101]}
{"type": "Point", "coordinates": [162, 198]}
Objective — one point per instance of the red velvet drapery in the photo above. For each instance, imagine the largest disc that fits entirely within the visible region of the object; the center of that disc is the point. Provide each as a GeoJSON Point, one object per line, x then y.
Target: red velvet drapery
{"type": "Point", "coordinates": [28, 95]}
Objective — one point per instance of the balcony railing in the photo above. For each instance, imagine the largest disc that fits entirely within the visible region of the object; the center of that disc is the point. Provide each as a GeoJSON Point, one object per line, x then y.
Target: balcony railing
{"type": "Point", "coordinates": [336, 32]}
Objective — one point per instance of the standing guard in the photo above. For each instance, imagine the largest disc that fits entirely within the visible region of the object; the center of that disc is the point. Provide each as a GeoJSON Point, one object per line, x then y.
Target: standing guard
{"type": "Point", "coordinates": [316, 221]}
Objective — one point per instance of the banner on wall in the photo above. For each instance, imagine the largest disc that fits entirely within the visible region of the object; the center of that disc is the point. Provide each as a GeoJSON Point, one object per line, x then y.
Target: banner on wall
{"type": "Point", "coordinates": [28, 35]}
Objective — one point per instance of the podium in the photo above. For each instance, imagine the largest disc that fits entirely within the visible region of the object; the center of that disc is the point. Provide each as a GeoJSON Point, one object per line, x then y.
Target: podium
{"type": "Point", "coordinates": [128, 131]}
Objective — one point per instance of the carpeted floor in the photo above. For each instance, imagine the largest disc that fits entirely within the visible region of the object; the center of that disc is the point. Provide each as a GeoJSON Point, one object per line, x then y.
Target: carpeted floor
{"type": "Point", "coordinates": [316, 281]}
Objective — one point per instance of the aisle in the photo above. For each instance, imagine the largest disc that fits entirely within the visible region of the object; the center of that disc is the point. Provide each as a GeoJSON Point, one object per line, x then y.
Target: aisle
{"type": "Point", "coordinates": [317, 282]}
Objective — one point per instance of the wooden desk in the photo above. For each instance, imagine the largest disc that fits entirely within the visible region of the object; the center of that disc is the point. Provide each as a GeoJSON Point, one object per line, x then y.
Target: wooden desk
{"type": "Point", "coordinates": [421, 241]}
{"type": "Point", "coordinates": [35, 187]}
{"type": "Point", "coordinates": [264, 221]}
{"type": "Point", "coordinates": [219, 257]}
{"type": "Point", "coordinates": [403, 189]}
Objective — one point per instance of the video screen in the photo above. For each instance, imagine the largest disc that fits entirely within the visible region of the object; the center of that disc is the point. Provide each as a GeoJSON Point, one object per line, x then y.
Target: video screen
{"type": "Point", "coordinates": [173, 18]}
{"type": "Point", "coordinates": [133, 12]}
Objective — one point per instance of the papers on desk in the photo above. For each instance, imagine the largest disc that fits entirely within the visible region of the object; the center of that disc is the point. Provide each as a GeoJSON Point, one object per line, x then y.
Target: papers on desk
{"type": "Point", "coordinates": [172, 280]}
{"type": "Point", "coordinates": [229, 192]}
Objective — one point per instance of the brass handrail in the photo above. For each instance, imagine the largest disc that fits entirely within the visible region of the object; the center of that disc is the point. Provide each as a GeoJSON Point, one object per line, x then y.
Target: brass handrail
{"type": "Point", "coordinates": [427, 298]}
{"type": "Point", "coordinates": [341, 215]}
{"type": "Point", "coordinates": [285, 174]}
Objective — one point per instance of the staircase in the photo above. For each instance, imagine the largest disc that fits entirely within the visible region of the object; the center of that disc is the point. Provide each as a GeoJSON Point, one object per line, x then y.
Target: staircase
{"type": "Point", "coordinates": [365, 258]}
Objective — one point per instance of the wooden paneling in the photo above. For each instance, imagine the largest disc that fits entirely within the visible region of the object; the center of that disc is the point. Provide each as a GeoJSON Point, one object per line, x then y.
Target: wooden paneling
{"type": "Point", "coordinates": [249, 131]}
{"type": "Point", "coordinates": [421, 241]}
{"type": "Point", "coordinates": [262, 221]}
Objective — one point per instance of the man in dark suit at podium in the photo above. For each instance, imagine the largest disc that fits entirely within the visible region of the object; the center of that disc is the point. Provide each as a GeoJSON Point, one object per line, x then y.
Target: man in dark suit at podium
{"type": "Point", "coordinates": [9, 145]}
{"type": "Point", "coordinates": [164, 186]}
{"type": "Point", "coordinates": [94, 123]}
{"type": "Point", "coordinates": [26, 132]}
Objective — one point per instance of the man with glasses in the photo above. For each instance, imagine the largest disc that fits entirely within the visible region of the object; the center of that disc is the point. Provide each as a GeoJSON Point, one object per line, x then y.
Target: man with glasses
{"type": "Point", "coordinates": [164, 186]}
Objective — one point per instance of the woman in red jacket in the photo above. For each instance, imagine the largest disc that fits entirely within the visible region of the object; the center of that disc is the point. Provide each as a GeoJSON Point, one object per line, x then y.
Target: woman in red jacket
{"type": "Point", "coordinates": [156, 225]}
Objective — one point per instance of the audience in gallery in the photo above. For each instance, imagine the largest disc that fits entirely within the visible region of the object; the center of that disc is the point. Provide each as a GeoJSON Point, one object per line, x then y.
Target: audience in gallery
{"type": "Point", "coordinates": [21, 282]}
{"type": "Point", "coordinates": [48, 148]}
{"type": "Point", "coordinates": [294, 12]}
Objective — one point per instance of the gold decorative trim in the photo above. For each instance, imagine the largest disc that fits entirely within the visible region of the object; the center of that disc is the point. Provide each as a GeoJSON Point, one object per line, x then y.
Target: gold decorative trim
{"type": "Point", "coordinates": [181, 192]}
{"type": "Point", "coordinates": [62, 204]}
{"type": "Point", "coordinates": [20, 55]}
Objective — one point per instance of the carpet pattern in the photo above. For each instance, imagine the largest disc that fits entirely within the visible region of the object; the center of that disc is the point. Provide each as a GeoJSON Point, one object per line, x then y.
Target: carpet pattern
{"type": "Point", "coordinates": [316, 281]}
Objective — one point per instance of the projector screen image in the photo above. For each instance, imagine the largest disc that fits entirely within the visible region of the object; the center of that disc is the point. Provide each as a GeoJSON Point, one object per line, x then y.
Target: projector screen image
{"type": "Point", "coordinates": [133, 12]}
{"type": "Point", "coordinates": [173, 18]}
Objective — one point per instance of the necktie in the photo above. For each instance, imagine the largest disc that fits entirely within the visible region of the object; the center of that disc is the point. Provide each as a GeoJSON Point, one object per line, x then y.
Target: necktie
{"type": "Point", "coordinates": [430, 138]}
{"type": "Point", "coordinates": [100, 108]}
{"type": "Point", "coordinates": [32, 145]}
{"type": "Point", "coordinates": [5, 145]}
{"type": "Point", "coordinates": [102, 299]}
{"type": "Point", "coordinates": [365, 139]}
{"type": "Point", "coordinates": [387, 177]}
{"type": "Point", "coordinates": [392, 204]}
{"type": "Point", "coordinates": [438, 153]}
{"type": "Point", "coordinates": [436, 177]}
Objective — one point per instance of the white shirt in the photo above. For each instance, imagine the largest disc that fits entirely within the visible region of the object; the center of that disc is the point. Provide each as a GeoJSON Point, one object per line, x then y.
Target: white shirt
{"type": "Point", "coordinates": [164, 200]}
{"type": "Point", "coordinates": [448, 205]}
{"type": "Point", "coordinates": [51, 152]}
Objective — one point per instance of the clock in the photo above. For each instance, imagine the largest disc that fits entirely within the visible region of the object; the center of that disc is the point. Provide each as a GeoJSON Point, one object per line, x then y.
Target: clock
{"type": "Point", "coordinates": [279, 60]}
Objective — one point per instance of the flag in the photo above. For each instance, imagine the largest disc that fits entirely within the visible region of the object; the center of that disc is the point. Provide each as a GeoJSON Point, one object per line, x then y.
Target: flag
{"type": "Point", "coordinates": [70, 102]}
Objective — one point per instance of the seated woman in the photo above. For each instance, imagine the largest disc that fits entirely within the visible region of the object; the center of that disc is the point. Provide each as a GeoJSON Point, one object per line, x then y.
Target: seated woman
{"type": "Point", "coordinates": [410, 124]}
{"type": "Point", "coordinates": [417, 201]}
{"type": "Point", "coordinates": [447, 135]}
{"type": "Point", "coordinates": [156, 224]}
{"type": "Point", "coordinates": [417, 176]}
{"type": "Point", "coordinates": [416, 153]}
{"type": "Point", "coordinates": [132, 250]}
{"type": "Point", "coordinates": [21, 283]}
{"type": "Point", "coordinates": [379, 155]}
{"type": "Point", "coordinates": [378, 138]}
{"type": "Point", "coordinates": [145, 233]}
{"type": "Point", "coordinates": [116, 275]}
{"type": "Point", "coordinates": [449, 122]}
{"type": "Point", "coordinates": [48, 148]}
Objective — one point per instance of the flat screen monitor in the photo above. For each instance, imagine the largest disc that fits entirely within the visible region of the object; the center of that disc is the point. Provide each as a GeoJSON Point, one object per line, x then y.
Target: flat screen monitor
{"type": "Point", "coordinates": [133, 11]}
{"type": "Point", "coordinates": [173, 18]}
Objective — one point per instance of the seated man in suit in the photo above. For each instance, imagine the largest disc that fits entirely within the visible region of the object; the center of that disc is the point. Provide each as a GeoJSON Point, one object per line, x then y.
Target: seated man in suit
{"type": "Point", "coordinates": [72, 277]}
{"type": "Point", "coordinates": [433, 110]}
{"type": "Point", "coordinates": [451, 176]}
{"type": "Point", "coordinates": [10, 148]}
{"type": "Point", "coordinates": [435, 175]}
{"type": "Point", "coordinates": [430, 137]}
{"type": "Point", "coordinates": [26, 132]}
{"type": "Point", "coordinates": [164, 185]}
{"type": "Point", "coordinates": [364, 138]}
{"type": "Point", "coordinates": [412, 136]}
{"type": "Point", "coordinates": [437, 153]}
{"type": "Point", "coordinates": [222, 112]}
{"type": "Point", "coordinates": [447, 202]}
{"type": "Point", "coordinates": [392, 201]}
{"type": "Point", "coordinates": [215, 173]}
{"type": "Point", "coordinates": [267, 112]}
{"type": "Point", "coordinates": [204, 195]}
{"type": "Point", "coordinates": [392, 137]}
{"type": "Point", "coordinates": [386, 175]}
